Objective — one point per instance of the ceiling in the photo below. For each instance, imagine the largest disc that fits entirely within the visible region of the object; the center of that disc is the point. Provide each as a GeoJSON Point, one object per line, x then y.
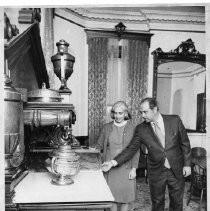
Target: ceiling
{"type": "Point", "coordinates": [198, 9]}
{"type": "Point", "coordinates": [178, 14]}
{"type": "Point", "coordinates": [180, 68]}
{"type": "Point", "coordinates": [137, 19]}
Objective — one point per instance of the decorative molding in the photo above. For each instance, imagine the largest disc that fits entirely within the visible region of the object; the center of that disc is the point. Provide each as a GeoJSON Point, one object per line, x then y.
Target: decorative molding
{"type": "Point", "coordinates": [68, 15]}
{"type": "Point", "coordinates": [99, 13]}
{"type": "Point", "coordinates": [51, 136]}
{"type": "Point", "coordinates": [182, 27]}
{"type": "Point", "coordinates": [120, 29]}
{"type": "Point", "coordinates": [171, 16]}
{"type": "Point", "coordinates": [99, 24]}
{"type": "Point", "coordinates": [141, 15]}
{"type": "Point", "coordinates": [136, 19]}
{"type": "Point", "coordinates": [126, 35]}
{"type": "Point", "coordinates": [184, 52]}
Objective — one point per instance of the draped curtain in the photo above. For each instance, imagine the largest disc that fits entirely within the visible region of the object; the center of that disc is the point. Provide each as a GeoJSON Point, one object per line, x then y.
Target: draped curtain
{"type": "Point", "coordinates": [117, 72]}
{"type": "Point", "coordinates": [124, 69]}
{"type": "Point", "coordinates": [112, 71]}
{"type": "Point", "coordinates": [97, 84]}
{"type": "Point", "coordinates": [138, 52]}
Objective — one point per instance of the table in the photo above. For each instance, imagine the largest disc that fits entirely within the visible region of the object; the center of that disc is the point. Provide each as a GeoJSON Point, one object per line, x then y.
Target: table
{"type": "Point", "coordinates": [89, 191]}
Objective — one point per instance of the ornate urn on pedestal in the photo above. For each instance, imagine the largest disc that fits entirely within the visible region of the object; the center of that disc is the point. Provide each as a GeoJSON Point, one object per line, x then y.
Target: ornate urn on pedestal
{"type": "Point", "coordinates": [63, 64]}
{"type": "Point", "coordinates": [63, 67]}
{"type": "Point", "coordinates": [65, 163]}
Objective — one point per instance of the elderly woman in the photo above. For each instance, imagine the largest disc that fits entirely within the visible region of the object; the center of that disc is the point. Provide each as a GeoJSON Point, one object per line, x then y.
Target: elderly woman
{"type": "Point", "coordinates": [114, 137]}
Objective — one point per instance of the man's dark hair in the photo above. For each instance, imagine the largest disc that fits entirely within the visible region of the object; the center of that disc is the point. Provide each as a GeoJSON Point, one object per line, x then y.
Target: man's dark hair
{"type": "Point", "coordinates": [152, 102]}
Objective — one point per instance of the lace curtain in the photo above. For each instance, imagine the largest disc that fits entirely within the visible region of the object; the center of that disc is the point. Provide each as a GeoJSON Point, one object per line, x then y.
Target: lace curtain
{"type": "Point", "coordinates": [117, 85]}
{"type": "Point", "coordinates": [97, 84]}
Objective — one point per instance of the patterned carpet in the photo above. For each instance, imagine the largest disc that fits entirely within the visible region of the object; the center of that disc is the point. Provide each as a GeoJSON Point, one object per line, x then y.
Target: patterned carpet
{"type": "Point", "coordinates": [143, 202]}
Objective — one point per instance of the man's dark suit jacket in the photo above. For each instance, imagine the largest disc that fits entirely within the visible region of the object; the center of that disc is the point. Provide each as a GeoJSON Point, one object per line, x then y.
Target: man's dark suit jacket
{"type": "Point", "coordinates": [177, 147]}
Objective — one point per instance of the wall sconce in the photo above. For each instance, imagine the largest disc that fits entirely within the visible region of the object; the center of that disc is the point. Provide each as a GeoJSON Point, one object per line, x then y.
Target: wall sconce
{"type": "Point", "coordinates": [120, 28]}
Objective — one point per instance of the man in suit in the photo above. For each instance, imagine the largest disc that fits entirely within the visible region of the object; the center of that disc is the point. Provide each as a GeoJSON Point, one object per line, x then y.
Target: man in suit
{"type": "Point", "coordinates": [169, 154]}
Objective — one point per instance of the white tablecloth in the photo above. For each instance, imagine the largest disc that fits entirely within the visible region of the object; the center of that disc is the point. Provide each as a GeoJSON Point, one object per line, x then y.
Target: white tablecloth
{"type": "Point", "coordinates": [89, 186]}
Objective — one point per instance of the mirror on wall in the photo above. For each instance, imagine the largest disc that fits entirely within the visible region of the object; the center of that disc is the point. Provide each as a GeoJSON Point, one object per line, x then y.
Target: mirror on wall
{"type": "Point", "coordinates": [179, 84]}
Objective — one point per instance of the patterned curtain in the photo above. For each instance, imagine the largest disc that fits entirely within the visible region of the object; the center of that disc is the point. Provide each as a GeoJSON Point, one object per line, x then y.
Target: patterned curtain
{"type": "Point", "coordinates": [112, 72]}
{"type": "Point", "coordinates": [138, 52]}
{"type": "Point", "coordinates": [97, 83]}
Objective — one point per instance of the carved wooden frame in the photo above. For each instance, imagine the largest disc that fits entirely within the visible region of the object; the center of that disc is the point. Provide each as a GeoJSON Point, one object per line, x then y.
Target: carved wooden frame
{"type": "Point", "coordinates": [186, 51]}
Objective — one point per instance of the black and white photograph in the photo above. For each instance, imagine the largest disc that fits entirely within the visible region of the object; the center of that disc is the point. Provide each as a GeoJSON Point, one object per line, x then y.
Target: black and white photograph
{"type": "Point", "coordinates": [105, 106]}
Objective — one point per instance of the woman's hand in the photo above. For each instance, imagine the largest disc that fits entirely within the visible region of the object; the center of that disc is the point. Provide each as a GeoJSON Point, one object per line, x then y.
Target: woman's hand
{"type": "Point", "coordinates": [132, 174]}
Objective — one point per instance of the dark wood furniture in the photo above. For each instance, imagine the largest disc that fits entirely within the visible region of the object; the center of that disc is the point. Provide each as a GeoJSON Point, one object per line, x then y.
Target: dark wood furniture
{"type": "Point", "coordinates": [198, 183]}
{"type": "Point", "coordinates": [27, 70]}
{"type": "Point", "coordinates": [198, 180]}
{"type": "Point", "coordinates": [26, 60]}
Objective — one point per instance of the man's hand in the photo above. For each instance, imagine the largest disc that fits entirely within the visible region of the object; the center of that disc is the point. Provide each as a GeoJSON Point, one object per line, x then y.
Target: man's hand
{"type": "Point", "coordinates": [186, 171]}
{"type": "Point", "coordinates": [132, 174]}
{"type": "Point", "coordinates": [106, 166]}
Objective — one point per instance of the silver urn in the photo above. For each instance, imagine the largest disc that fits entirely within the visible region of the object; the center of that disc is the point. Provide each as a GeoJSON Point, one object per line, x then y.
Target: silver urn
{"type": "Point", "coordinates": [63, 63]}
{"type": "Point", "coordinates": [13, 109]}
{"type": "Point", "coordinates": [65, 163]}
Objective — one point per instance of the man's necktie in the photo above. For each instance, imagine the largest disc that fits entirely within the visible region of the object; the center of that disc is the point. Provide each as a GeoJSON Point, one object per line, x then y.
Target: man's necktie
{"type": "Point", "coordinates": [159, 134]}
{"type": "Point", "coordinates": [161, 138]}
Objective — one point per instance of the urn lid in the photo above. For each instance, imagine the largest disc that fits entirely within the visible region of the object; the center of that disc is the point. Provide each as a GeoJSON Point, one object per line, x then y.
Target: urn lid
{"type": "Point", "coordinates": [62, 46]}
{"type": "Point", "coordinates": [44, 95]}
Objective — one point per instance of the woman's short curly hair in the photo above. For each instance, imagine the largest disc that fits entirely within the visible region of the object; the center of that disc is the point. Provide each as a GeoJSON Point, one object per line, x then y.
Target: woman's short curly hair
{"type": "Point", "coordinates": [122, 105]}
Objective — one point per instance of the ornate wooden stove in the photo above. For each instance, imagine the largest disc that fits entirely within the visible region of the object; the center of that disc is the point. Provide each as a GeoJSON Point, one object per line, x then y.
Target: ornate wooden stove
{"type": "Point", "coordinates": [49, 123]}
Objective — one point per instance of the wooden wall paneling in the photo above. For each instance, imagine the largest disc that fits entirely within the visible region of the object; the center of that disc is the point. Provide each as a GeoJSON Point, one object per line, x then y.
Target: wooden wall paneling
{"type": "Point", "coordinates": [27, 48]}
